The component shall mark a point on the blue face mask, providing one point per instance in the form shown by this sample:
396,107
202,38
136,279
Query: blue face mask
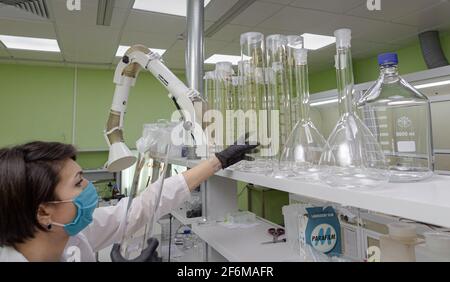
86,202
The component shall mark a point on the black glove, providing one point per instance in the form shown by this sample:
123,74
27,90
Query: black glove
236,153
149,254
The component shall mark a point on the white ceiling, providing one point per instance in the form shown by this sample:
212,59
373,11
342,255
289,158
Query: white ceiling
83,42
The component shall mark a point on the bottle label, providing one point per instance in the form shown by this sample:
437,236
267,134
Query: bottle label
406,146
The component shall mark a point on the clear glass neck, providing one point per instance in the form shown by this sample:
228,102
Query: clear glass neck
345,81
389,73
301,77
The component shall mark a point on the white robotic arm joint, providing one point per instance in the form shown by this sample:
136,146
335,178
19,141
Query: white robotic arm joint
136,58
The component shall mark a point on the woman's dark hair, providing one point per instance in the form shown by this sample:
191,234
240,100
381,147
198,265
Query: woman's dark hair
29,174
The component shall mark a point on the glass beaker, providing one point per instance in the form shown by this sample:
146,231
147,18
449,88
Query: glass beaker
255,107
400,118
301,154
277,63
353,157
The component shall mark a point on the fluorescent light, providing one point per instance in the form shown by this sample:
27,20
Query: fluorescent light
316,41
432,84
331,101
223,58
122,49
171,7
30,43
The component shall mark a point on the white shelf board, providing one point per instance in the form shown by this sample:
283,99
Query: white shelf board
425,201
184,162
184,220
244,244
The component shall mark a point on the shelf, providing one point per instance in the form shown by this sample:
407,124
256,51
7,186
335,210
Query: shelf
184,162
244,244
426,201
184,220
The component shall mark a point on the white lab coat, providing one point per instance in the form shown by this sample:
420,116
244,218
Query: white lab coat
108,224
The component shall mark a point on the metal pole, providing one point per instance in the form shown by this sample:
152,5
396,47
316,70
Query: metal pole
195,44
194,66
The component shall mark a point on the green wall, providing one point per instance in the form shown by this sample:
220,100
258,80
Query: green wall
38,104
148,102
265,203
92,160
410,60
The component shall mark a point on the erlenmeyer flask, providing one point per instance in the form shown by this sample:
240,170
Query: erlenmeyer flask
353,158
301,154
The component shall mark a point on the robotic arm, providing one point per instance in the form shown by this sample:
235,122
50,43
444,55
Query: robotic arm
136,58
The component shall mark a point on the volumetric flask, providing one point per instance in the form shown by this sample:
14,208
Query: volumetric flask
301,154
353,157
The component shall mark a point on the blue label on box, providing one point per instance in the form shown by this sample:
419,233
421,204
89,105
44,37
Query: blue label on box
323,231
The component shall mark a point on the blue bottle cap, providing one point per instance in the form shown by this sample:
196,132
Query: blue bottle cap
387,59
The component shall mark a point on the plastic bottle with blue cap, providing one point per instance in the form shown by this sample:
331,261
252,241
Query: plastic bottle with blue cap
399,116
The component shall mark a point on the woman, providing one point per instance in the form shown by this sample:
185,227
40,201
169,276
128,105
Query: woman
47,208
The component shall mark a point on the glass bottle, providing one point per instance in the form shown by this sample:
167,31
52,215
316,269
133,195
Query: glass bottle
353,157
256,106
400,118
302,151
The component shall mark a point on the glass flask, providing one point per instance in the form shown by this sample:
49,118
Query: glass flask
353,157
243,70
210,94
224,72
400,118
209,80
301,154
235,99
255,106
234,106
295,42
240,102
277,63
